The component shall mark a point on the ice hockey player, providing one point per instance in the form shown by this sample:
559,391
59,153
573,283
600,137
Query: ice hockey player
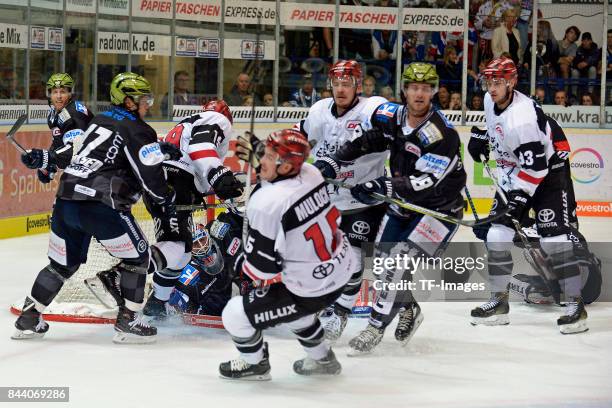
426,170
120,158
205,284
68,119
293,231
532,176
329,124
203,139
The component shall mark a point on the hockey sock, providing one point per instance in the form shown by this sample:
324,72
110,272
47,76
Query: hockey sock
500,270
49,282
350,293
163,283
251,348
132,289
311,338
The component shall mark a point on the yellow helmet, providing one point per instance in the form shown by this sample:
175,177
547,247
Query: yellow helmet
132,85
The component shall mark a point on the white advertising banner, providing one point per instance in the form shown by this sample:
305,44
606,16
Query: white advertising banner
140,44
249,49
307,14
380,18
152,8
13,36
250,12
242,114
199,10
47,4
114,7
81,6
427,19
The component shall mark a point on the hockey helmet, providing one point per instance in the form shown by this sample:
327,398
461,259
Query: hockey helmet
500,68
219,106
345,69
59,80
421,72
132,85
291,146
205,252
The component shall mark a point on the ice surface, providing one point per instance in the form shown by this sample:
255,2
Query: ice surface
448,363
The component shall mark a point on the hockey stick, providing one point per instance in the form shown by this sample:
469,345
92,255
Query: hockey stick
471,203
419,209
11,133
536,257
196,207
256,79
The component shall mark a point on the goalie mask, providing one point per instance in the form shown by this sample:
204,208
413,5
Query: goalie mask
206,254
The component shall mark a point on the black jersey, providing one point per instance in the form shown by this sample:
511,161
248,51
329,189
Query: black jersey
67,126
119,158
425,161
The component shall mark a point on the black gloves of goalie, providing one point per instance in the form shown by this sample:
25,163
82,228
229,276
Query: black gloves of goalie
38,159
170,151
224,183
363,192
250,149
478,144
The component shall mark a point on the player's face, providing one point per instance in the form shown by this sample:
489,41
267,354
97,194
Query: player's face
499,89
344,91
60,98
268,165
418,97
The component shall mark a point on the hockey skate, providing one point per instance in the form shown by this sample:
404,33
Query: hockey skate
157,309
334,325
326,366
575,319
239,369
131,329
408,323
493,313
30,323
366,341
106,283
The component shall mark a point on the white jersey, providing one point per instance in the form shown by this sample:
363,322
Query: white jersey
293,230
331,131
203,139
521,142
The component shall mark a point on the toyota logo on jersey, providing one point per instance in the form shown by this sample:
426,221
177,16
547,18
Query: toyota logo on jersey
546,215
323,271
361,227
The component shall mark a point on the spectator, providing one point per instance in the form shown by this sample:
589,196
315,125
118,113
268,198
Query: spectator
182,96
506,38
304,97
540,95
476,104
524,21
455,101
547,52
268,100
383,44
326,93
567,51
368,86
247,101
450,70
387,93
240,90
585,63
561,98
586,99
486,21
442,98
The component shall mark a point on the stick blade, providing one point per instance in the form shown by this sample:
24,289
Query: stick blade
20,121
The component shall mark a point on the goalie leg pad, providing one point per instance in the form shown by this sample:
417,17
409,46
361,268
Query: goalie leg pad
49,282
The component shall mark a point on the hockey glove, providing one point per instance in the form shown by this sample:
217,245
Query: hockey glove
517,204
478,144
363,192
170,151
373,140
169,226
250,149
45,176
328,167
38,159
224,183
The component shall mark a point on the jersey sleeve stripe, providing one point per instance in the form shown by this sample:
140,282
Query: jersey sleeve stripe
562,146
200,154
528,178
